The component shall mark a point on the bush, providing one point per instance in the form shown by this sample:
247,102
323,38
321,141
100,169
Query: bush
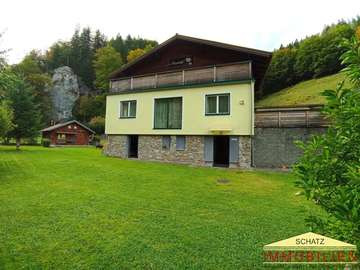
45,142
329,170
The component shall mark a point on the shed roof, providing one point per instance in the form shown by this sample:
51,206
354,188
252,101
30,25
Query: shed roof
54,127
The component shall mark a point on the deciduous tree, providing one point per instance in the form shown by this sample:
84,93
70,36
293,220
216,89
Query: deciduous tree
6,117
32,69
106,61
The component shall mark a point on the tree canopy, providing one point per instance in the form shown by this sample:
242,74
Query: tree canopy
106,61
26,116
313,57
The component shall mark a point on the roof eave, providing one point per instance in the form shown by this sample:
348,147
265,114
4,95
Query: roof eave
257,52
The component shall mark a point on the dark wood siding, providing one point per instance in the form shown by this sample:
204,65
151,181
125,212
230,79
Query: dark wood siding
201,55
76,135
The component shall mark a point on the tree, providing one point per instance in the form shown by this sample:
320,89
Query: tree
88,107
123,46
32,69
99,41
329,171
58,55
106,61
6,117
2,55
97,124
281,72
26,114
135,53
312,57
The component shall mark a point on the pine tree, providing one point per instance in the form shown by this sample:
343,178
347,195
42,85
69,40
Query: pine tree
99,40
25,112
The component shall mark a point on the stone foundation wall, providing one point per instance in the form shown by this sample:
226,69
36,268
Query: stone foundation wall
150,148
244,152
116,146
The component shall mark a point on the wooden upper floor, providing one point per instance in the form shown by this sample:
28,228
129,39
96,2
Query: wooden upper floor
183,60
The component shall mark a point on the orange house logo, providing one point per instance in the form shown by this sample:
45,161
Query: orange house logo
310,248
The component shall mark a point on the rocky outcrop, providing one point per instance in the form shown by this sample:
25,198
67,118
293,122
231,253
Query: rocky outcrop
65,92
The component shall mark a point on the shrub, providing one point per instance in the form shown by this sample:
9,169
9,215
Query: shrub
45,142
329,171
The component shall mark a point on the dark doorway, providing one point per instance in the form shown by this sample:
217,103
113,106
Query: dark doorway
221,151
133,146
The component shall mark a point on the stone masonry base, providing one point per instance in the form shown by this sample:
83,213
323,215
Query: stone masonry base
150,148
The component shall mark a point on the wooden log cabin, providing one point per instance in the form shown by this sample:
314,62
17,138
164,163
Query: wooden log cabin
68,133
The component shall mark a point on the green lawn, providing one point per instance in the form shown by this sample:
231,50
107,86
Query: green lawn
73,208
308,92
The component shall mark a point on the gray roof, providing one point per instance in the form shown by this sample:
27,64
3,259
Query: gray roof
65,124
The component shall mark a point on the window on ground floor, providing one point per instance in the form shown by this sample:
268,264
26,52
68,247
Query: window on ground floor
166,142
180,143
168,113
218,104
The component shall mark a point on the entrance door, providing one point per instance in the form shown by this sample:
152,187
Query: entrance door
133,146
221,151
70,138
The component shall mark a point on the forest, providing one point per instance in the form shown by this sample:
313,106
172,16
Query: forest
93,57
312,57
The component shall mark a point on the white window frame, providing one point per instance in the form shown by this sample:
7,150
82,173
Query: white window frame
217,103
128,109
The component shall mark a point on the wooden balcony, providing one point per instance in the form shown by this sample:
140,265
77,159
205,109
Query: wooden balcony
210,74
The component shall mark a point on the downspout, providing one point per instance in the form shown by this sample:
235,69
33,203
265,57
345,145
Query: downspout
252,115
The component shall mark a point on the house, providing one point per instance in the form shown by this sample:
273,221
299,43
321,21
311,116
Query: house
188,100
68,133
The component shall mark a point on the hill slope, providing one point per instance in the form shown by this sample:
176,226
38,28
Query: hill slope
304,93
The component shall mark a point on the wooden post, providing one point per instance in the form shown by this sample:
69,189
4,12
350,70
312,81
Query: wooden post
307,118
131,83
214,75
279,121
183,77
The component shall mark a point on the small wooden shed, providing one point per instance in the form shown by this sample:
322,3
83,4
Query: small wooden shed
68,133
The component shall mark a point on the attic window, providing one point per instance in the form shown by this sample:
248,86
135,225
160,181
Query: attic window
188,60
69,127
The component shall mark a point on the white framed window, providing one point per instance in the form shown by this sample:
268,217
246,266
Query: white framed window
217,104
128,109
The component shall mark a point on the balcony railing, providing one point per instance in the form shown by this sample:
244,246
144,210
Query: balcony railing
209,74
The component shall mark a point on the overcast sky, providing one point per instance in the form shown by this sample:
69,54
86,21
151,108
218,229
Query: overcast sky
265,24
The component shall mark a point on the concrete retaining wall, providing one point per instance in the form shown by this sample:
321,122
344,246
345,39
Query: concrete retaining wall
275,148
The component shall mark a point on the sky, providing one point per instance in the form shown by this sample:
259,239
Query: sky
260,24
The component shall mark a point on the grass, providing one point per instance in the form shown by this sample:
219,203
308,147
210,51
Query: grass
72,208
304,93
